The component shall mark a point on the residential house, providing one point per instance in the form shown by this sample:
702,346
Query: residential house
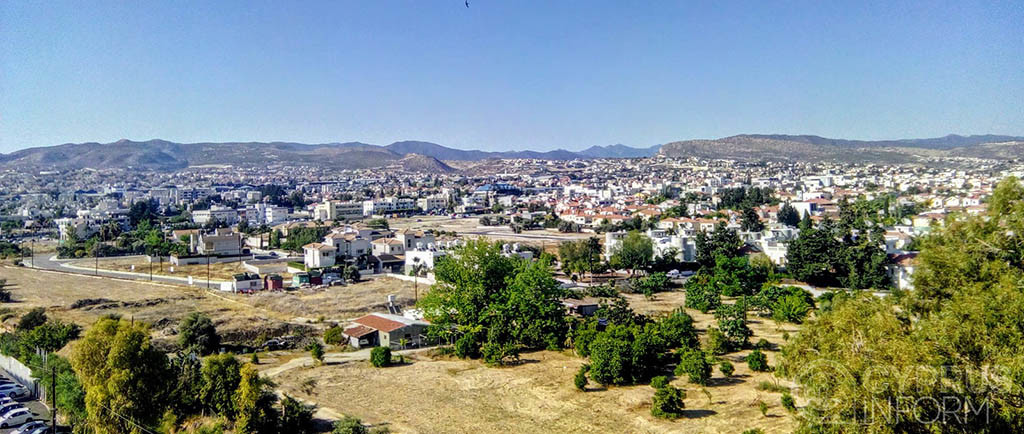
317,255
386,330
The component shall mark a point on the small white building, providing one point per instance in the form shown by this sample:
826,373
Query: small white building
319,255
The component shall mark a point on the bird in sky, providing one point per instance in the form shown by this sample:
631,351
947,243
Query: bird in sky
467,3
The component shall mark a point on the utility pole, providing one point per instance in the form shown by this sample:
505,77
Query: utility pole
53,399
32,253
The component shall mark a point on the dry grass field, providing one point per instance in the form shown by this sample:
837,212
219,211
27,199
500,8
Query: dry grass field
336,303
83,299
446,395
221,271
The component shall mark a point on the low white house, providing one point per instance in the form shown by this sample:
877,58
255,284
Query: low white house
319,255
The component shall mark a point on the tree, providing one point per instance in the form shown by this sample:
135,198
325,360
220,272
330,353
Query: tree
334,336
668,403
694,364
751,221
721,242
351,273
380,357
717,343
635,252
791,308
125,378
788,215
34,318
316,350
678,330
725,368
732,320
757,361
813,257
610,360
296,417
651,284
221,374
254,402
198,334
507,301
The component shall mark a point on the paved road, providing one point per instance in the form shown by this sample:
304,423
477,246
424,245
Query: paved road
49,262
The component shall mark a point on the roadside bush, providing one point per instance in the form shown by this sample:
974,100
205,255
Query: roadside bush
668,403
334,336
694,364
380,357
757,361
726,368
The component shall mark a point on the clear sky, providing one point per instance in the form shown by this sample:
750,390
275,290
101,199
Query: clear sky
504,75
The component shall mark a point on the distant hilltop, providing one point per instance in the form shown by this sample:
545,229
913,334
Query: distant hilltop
429,157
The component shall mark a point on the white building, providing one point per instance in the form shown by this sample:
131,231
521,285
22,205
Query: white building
432,203
388,205
216,213
319,255
336,210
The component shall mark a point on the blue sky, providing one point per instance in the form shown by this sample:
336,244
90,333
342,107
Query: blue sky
504,75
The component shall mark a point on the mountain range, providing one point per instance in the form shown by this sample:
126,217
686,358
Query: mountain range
428,157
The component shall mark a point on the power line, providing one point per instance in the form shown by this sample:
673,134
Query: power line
127,419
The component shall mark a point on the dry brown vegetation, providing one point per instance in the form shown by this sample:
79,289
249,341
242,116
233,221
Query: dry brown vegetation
445,395
239,318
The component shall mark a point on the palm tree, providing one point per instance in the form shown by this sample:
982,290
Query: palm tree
417,268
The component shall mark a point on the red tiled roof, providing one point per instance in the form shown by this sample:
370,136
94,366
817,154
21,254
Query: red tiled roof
379,323
358,331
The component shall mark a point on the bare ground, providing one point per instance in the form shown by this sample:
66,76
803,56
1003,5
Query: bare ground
445,395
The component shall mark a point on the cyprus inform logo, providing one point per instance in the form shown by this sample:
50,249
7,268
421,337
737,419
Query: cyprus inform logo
887,395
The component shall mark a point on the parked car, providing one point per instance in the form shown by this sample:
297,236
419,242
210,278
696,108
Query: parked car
13,391
16,417
10,406
31,427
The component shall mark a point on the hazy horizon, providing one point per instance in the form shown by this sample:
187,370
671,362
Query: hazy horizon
506,76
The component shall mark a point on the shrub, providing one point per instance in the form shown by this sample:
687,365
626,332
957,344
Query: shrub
761,405
732,320
34,318
197,333
788,403
317,351
763,344
694,364
678,330
757,361
768,386
496,354
668,403
791,308
726,368
467,346
349,425
380,357
754,431
334,336
659,382
255,359
717,343
581,378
